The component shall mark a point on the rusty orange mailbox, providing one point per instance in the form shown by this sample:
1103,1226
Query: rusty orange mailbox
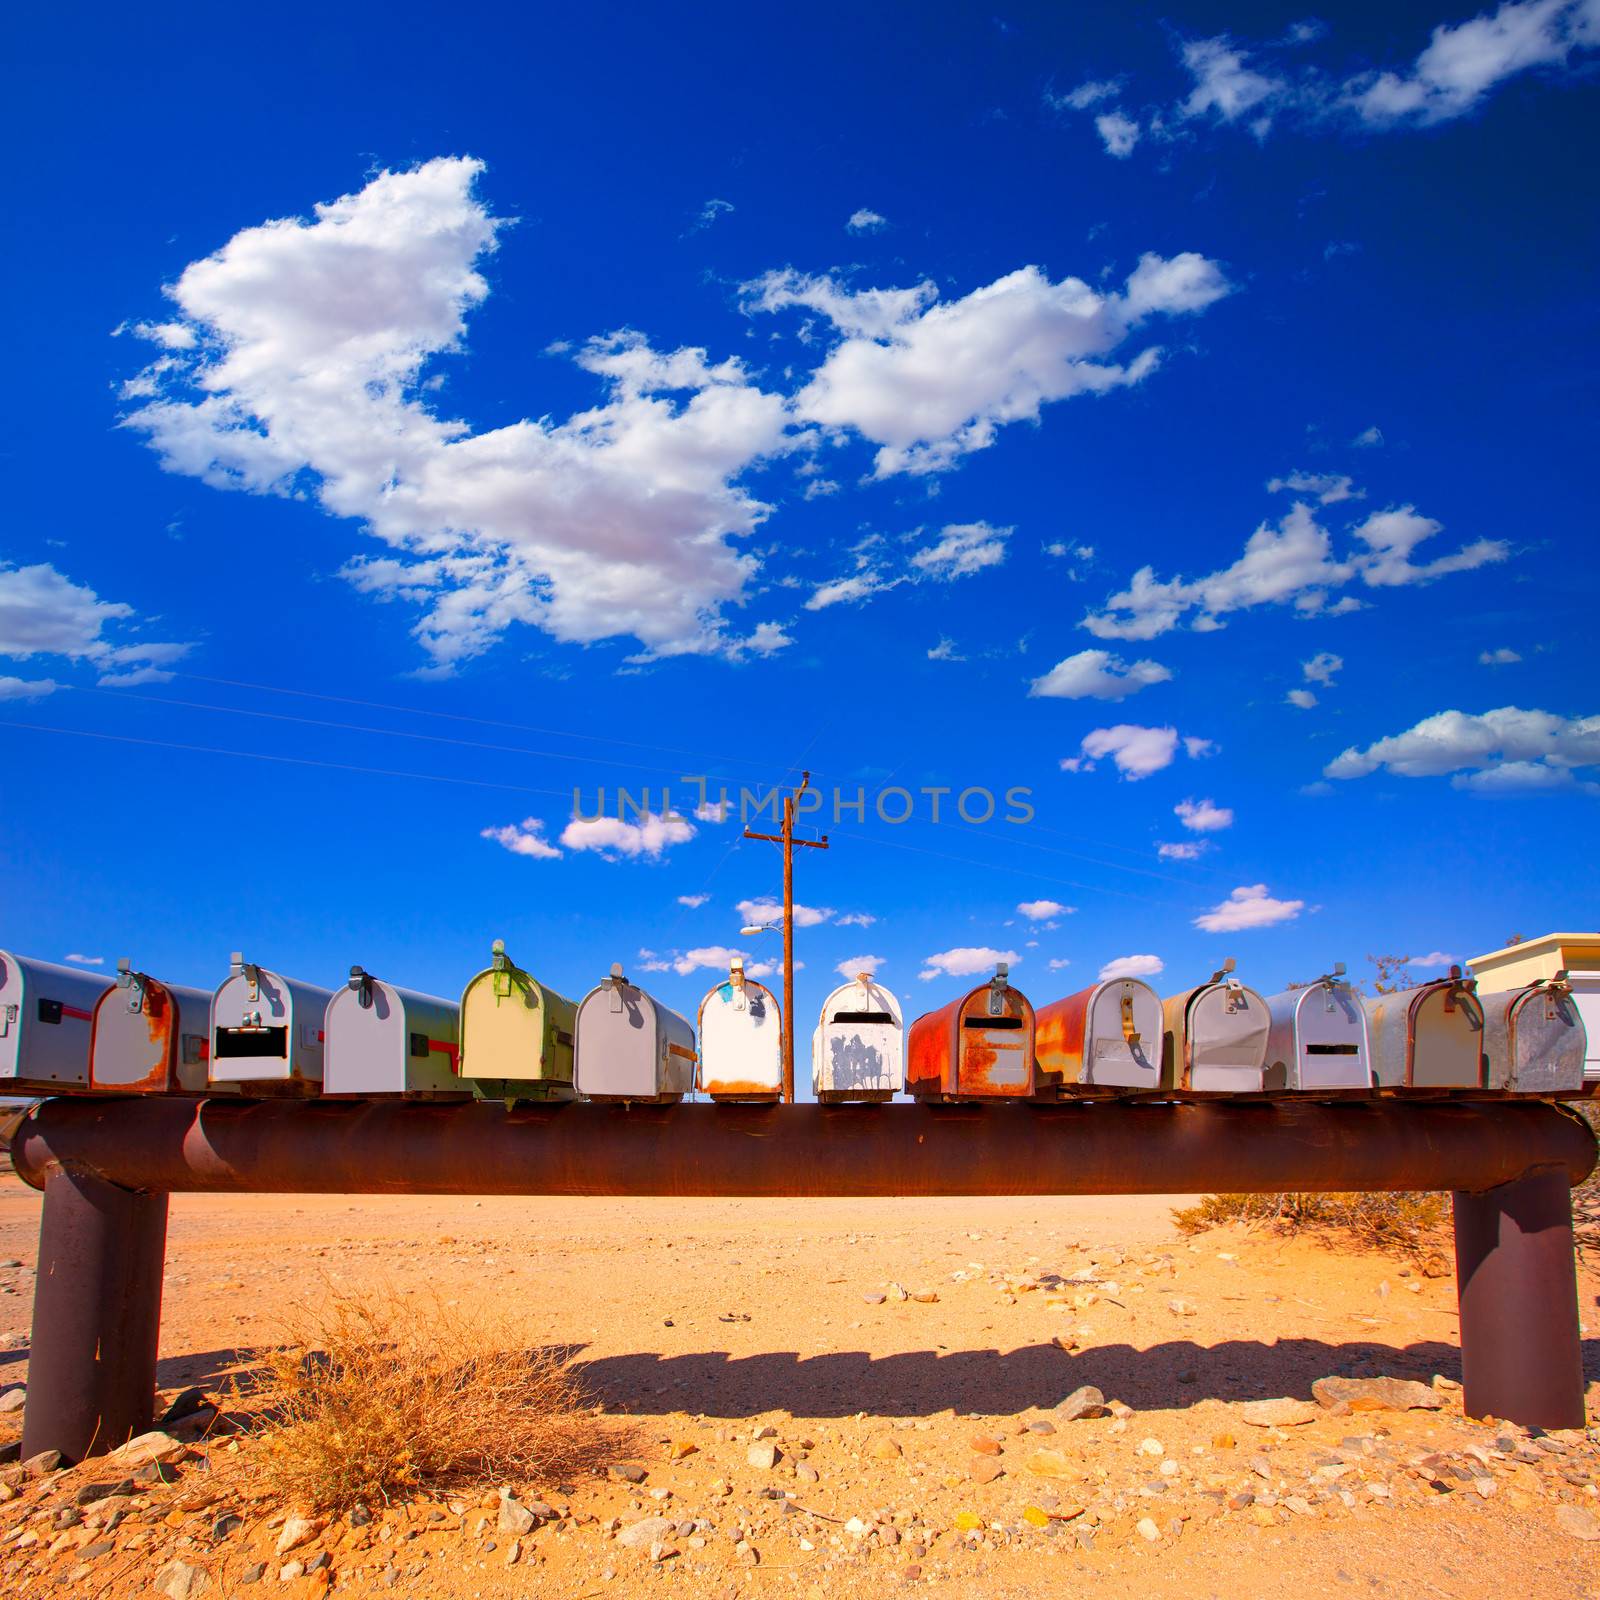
150,1037
979,1047
1103,1039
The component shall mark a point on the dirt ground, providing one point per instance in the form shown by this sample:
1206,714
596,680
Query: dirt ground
917,1440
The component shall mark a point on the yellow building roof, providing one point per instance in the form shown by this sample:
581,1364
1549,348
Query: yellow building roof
1545,941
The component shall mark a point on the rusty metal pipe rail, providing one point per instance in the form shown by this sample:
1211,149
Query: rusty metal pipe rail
107,1166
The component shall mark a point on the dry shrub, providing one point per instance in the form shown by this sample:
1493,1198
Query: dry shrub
373,1396
1402,1223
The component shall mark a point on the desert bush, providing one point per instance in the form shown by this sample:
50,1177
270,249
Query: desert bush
371,1396
1402,1223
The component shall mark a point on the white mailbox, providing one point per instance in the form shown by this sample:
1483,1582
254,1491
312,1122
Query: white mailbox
858,1050
45,1016
382,1039
1428,1038
266,1030
150,1037
1318,1040
741,1039
629,1046
1103,1038
1535,1039
1216,1037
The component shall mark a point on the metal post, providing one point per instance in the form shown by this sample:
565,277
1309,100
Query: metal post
96,1316
1517,1282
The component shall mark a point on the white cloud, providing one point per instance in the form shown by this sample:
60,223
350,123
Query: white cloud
1328,487
693,901
709,213
1119,133
1302,698
1044,910
1507,750
1189,850
1136,751
525,838
1085,95
1249,906
767,910
1322,667
928,383
26,688
1290,564
965,960
1368,439
613,838
865,221
1056,963
44,613
962,549
856,919
1132,967
859,585
1097,675
1503,657
1224,85
945,650
717,957
86,961
1434,958
1197,749
1203,816
851,965
712,811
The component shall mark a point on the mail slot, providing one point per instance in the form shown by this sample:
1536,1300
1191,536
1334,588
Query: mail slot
150,1037
45,1016
1535,1039
1102,1039
979,1047
1427,1039
741,1039
858,1048
266,1030
1317,1043
382,1039
630,1046
516,1034
1215,1038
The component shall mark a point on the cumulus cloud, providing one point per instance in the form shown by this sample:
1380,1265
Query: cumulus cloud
1097,675
1188,850
1328,487
26,688
767,910
856,919
1434,958
615,839
1303,698
86,961
1056,963
1291,563
1132,967
1136,751
44,613
1203,816
525,838
1249,906
945,650
964,961
1119,133
1504,751
1044,910
715,957
693,901
1503,657
1321,668
865,221
1368,438
851,965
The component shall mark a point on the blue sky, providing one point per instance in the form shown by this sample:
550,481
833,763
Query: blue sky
1176,413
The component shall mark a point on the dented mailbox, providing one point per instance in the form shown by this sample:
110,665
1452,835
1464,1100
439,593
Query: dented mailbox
977,1047
741,1039
381,1039
45,1016
858,1049
1215,1038
1535,1039
1428,1038
629,1046
1102,1039
516,1034
266,1030
1318,1040
150,1037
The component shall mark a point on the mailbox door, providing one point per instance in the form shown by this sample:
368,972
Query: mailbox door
995,1050
151,1038
858,1049
502,1027
1330,1040
46,1014
385,1040
741,1048
267,1030
1122,1041
618,1046
1446,1039
1226,1040
1536,1042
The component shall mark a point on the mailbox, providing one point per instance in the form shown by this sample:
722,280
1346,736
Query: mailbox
979,1047
1317,1043
516,1034
150,1037
629,1046
1215,1037
1102,1039
1535,1039
741,1039
858,1049
45,1016
381,1039
266,1030
1427,1039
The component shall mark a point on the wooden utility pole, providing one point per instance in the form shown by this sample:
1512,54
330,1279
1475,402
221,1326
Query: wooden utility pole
788,841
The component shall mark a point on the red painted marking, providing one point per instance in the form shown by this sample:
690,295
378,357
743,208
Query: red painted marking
73,1011
453,1051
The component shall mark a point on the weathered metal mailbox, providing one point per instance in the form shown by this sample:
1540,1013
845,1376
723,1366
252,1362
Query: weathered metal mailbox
1215,1038
977,1047
150,1037
1427,1039
1535,1039
516,1034
741,1039
629,1046
266,1030
858,1049
1103,1039
1318,1040
382,1039
45,1016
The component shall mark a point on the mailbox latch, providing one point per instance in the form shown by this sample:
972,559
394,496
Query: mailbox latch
998,985
615,984
8,1015
1129,1033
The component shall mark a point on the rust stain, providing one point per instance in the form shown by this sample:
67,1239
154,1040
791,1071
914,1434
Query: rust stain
1058,1037
738,1089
